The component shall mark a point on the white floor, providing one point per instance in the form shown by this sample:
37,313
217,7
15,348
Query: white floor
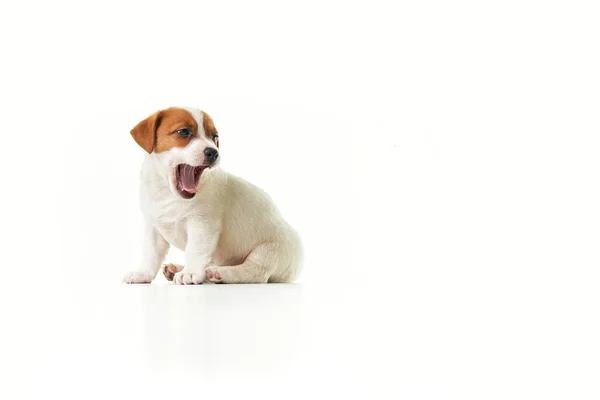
419,341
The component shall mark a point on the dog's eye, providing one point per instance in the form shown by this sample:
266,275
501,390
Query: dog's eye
215,138
183,132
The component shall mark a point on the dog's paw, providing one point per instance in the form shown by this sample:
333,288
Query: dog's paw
188,278
213,274
169,270
138,277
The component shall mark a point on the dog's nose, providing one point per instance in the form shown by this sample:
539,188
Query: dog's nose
211,155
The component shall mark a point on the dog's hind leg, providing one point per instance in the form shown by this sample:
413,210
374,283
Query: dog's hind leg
243,273
268,262
169,270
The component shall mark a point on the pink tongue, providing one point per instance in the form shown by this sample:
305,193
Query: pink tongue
188,179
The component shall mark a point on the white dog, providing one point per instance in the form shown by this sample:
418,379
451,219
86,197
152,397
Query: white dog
230,230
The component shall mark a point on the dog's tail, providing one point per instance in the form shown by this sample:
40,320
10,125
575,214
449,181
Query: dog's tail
169,270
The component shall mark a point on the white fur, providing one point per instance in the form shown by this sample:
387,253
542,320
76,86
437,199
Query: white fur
230,228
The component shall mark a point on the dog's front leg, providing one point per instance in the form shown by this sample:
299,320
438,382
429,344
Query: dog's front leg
155,249
201,243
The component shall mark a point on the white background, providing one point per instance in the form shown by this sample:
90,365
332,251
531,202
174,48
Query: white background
440,160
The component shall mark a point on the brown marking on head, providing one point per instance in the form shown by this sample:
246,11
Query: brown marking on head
172,120
157,133
209,128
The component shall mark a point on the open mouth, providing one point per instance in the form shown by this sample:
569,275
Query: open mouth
187,178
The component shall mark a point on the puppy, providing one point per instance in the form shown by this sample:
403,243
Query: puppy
229,229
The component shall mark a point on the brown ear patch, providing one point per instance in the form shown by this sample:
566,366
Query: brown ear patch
209,127
144,133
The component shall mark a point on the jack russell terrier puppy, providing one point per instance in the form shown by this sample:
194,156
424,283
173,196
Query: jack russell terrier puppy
230,230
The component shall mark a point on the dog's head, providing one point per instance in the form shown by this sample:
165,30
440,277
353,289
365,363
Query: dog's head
185,143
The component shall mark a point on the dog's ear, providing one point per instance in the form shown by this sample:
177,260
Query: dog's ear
144,133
